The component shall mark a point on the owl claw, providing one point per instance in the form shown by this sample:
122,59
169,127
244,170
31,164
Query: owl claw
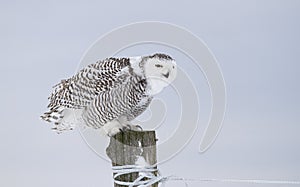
138,128
127,127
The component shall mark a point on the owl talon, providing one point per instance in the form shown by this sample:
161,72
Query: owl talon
128,127
139,128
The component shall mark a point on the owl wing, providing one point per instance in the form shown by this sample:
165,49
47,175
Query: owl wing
78,91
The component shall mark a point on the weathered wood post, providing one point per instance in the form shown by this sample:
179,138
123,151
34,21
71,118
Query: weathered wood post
126,148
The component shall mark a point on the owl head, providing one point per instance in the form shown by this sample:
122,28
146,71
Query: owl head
160,70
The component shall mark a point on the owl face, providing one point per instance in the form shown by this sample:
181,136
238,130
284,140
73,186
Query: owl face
160,71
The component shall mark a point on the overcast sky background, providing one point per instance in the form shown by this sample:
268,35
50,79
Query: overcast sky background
255,42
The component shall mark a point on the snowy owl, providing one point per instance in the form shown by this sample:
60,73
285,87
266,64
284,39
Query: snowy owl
110,93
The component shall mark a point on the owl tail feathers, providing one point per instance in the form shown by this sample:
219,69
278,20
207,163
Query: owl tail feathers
63,119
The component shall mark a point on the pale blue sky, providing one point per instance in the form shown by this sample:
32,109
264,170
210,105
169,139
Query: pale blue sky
255,42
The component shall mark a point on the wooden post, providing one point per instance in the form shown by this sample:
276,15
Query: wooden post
125,148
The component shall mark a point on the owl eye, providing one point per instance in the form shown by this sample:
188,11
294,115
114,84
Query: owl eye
158,65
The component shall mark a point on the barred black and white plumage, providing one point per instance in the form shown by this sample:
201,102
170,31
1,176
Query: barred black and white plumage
109,93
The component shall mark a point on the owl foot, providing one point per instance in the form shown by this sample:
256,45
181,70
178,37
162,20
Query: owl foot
132,127
114,131
112,128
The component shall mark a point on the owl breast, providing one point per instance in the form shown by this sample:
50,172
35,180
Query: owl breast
139,108
127,100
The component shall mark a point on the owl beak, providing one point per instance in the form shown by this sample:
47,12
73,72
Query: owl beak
166,75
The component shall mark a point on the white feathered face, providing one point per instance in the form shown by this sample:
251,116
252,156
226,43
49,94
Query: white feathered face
160,71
